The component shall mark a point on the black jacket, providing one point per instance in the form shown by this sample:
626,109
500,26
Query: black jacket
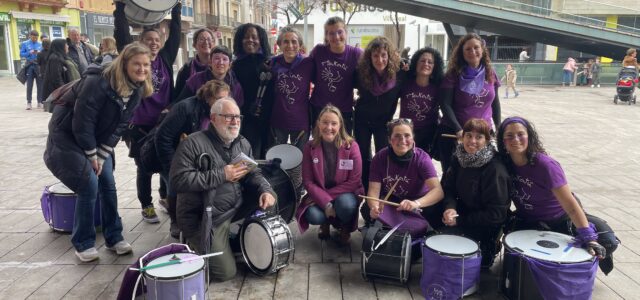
376,111
54,74
247,70
185,118
92,116
479,195
200,182
169,50
75,56
183,75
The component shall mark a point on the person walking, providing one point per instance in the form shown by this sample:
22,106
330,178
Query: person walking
29,50
523,55
510,75
596,68
567,71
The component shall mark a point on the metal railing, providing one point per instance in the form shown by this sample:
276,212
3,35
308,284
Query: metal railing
551,73
546,12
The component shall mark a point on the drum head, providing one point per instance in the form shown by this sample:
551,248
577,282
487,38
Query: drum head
256,245
290,155
453,245
61,189
545,245
153,6
175,271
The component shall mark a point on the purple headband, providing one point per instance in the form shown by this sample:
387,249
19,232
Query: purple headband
511,120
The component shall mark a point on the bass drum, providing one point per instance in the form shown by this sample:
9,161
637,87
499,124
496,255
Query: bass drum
282,185
145,12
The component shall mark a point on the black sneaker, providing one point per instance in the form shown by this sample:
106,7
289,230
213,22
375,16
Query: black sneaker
149,215
174,231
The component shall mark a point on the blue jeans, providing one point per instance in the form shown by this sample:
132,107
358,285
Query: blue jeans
32,73
346,206
101,187
567,76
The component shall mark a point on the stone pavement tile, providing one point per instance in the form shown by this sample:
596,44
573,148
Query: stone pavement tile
54,250
30,281
414,281
385,290
130,218
602,291
43,227
621,284
624,255
292,282
29,248
95,282
333,252
257,287
229,289
623,215
632,270
9,273
147,227
13,240
69,257
21,221
615,223
353,287
144,243
324,282
59,284
308,248
112,289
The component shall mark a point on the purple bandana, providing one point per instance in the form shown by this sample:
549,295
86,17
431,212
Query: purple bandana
380,88
472,80
511,120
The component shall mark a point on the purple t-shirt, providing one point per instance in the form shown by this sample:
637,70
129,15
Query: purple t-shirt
420,104
199,79
334,76
532,196
467,106
291,94
412,177
148,111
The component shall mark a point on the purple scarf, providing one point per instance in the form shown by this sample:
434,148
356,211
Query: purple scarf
280,65
472,80
380,88
196,66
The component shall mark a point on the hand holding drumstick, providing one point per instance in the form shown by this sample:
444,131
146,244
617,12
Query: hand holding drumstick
449,217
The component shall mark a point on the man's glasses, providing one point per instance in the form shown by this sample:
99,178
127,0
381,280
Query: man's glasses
230,118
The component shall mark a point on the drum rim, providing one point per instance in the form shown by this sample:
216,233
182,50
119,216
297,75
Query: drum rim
175,2
261,221
287,146
510,249
404,272
441,253
174,278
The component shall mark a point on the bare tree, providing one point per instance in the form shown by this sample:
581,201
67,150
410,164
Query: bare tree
304,7
393,16
347,8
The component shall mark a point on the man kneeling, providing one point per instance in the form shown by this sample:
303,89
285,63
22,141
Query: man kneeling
209,187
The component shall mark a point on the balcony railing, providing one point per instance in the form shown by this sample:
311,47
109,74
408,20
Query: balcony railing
213,20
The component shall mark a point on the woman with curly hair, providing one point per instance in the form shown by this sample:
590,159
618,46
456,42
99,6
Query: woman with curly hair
419,95
378,91
469,90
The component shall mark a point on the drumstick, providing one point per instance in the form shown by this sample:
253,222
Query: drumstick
177,261
453,136
391,190
379,200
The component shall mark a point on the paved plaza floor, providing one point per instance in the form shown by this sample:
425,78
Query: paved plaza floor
597,143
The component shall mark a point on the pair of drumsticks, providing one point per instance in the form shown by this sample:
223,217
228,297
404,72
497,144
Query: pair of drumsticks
386,198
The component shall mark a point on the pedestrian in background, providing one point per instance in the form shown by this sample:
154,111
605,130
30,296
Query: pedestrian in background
567,71
108,51
29,50
523,55
510,75
596,68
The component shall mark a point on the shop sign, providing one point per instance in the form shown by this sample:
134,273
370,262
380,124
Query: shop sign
4,17
102,20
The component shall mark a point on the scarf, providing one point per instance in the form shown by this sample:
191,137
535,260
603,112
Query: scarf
476,160
403,160
379,88
472,80
196,66
280,65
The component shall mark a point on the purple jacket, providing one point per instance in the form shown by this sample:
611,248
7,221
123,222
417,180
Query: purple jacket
347,181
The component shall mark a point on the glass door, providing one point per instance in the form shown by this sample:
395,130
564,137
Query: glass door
4,48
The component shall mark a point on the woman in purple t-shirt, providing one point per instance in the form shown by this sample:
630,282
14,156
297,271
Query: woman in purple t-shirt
418,185
419,95
541,194
291,73
469,90
335,71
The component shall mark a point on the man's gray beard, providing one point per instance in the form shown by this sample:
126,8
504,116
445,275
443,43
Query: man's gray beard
225,135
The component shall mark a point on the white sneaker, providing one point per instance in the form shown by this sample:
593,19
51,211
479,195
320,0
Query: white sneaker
121,247
598,85
88,255
592,86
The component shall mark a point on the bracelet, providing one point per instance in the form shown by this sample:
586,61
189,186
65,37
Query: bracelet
417,202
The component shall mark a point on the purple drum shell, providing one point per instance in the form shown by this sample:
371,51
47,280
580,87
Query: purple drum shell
59,210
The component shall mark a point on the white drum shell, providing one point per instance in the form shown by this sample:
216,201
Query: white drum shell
546,245
145,12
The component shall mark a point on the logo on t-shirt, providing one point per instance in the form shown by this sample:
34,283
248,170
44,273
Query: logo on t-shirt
157,79
478,99
418,106
401,189
331,73
287,85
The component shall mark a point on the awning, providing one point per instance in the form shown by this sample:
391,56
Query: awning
37,16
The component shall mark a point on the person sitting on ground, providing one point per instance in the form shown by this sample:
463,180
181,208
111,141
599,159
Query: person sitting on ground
202,175
542,196
476,191
331,167
184,118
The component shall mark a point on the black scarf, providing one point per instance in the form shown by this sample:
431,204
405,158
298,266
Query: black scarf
402,160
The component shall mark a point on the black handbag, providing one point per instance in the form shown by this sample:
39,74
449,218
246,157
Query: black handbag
22,74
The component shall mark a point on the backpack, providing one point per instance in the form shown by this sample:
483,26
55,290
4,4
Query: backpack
148,155
58,95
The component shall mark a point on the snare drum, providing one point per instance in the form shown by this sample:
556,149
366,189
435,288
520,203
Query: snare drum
266,243
450,267
291,158
532,257
145,12
386,259
180,281
58,204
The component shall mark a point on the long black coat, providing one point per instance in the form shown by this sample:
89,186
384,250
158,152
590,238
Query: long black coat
92,116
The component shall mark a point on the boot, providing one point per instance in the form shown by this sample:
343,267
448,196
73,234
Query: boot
324,232
345,236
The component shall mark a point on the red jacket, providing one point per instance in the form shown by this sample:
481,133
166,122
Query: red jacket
347,181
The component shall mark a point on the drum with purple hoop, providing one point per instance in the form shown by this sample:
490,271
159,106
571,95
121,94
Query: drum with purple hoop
531,256
58,204
178,281
450,267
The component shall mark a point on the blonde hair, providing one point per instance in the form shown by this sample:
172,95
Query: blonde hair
117,75
341,138
109,44
211,88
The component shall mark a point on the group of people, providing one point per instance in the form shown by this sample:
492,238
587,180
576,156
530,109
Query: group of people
226,103
588,75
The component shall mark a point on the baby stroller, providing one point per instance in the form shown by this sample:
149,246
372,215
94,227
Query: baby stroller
626,85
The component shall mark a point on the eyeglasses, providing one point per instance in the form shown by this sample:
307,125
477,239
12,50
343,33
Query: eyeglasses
205,40
230,118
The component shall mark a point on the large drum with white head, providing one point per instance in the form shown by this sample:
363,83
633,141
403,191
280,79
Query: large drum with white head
147,12
185,280
532,257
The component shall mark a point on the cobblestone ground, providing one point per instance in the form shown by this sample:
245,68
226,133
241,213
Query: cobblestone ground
595,141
